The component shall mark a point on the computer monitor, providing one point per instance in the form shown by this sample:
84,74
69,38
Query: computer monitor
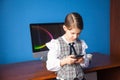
41,33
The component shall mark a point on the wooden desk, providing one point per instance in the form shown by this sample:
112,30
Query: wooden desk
106,68
36,70
101,62
25,71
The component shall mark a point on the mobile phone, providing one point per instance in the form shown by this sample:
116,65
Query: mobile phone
79,56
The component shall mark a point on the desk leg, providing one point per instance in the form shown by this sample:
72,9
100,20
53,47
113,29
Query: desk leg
109,74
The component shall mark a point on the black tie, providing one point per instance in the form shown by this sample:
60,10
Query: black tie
72,48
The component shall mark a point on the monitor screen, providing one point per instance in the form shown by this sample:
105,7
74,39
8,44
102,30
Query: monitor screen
42,33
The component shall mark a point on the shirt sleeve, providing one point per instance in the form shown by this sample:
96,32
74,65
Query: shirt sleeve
53,63
86,60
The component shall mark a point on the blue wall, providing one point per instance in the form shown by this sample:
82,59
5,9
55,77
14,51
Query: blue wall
16,15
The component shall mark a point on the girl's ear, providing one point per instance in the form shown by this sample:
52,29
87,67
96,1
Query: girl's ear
64,28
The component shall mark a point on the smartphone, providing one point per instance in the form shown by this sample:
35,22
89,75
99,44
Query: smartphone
78,56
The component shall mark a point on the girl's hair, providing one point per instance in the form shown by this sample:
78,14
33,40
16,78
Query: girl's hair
74,20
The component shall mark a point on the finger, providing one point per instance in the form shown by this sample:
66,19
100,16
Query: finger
72,55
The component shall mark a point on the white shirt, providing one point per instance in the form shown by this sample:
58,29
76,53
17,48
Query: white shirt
53,63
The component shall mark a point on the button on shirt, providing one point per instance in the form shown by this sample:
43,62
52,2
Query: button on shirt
53,63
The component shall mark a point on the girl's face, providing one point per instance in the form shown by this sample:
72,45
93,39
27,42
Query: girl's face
71,34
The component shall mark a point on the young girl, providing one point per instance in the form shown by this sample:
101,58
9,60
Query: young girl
61,57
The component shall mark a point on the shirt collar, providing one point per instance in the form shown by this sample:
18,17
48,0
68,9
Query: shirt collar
66,40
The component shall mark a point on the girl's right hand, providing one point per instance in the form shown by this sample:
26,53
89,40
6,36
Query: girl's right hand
68,60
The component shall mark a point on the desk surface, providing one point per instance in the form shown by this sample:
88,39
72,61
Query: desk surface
36,70
102,61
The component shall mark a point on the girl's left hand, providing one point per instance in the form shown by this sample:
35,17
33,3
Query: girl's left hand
80,60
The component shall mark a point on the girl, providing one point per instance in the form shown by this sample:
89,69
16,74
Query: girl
62,52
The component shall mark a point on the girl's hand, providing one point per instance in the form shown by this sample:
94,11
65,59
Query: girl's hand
68,60
80,60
